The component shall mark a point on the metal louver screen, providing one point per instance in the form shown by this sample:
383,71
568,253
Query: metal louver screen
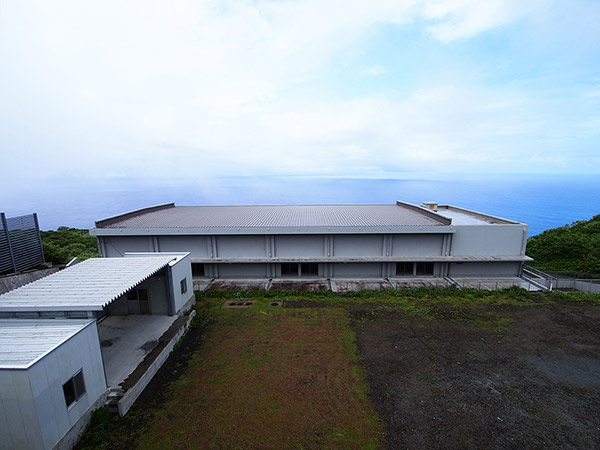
20,243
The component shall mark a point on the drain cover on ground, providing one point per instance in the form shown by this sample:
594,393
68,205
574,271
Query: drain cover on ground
238,303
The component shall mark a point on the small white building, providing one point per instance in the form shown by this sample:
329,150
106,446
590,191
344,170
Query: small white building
54,367
51,376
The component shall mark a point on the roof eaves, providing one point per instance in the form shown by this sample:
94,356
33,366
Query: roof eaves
137,212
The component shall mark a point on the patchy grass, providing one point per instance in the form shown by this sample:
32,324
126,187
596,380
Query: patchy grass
271,378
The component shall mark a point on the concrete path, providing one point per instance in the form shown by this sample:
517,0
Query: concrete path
126,340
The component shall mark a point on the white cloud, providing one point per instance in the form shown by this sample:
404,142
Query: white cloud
199,88
374,71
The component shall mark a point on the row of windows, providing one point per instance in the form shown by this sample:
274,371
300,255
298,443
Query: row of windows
312,269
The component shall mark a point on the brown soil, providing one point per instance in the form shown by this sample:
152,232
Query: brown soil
445,384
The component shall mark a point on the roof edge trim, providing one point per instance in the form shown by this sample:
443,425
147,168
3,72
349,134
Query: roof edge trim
443,220
136,212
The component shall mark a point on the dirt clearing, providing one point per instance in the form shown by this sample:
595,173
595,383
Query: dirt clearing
491,377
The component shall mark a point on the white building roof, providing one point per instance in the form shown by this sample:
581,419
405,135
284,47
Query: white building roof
23,342
87,286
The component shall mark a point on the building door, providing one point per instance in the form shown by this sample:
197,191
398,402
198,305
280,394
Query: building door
137,301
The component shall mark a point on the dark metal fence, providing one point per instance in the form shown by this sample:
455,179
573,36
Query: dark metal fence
20,243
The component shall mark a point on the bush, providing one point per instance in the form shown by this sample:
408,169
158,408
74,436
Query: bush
64,244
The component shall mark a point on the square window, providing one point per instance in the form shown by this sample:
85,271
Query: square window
309,269
183,285
289,269
404,268
197,270
74,388
425,268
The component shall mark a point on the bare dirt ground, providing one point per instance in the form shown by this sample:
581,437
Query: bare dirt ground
454,383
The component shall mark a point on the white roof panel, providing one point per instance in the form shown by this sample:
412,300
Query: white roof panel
24,341
87,286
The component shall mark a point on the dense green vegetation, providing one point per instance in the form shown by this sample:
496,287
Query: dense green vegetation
65,243
572,248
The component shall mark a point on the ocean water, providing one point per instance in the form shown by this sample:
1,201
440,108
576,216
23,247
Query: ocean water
541,201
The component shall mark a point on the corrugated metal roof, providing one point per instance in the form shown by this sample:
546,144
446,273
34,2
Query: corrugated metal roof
24,341
87,286
276,216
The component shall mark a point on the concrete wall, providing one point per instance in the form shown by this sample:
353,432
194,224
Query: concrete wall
115,246
242,246
357,245
198,246
487,269
341,270
157,296
299,246
489,240
417,244
34,414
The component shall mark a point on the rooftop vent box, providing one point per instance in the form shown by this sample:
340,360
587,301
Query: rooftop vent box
433,206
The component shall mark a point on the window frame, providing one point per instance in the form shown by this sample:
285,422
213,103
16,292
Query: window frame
74,388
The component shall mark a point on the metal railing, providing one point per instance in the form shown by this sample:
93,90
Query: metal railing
20,243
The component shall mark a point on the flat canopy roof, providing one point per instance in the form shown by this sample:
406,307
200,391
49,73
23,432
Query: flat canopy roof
274,217
87,286
24,342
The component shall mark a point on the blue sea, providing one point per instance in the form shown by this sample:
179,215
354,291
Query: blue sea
541,201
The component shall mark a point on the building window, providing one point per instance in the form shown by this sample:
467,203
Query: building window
74,388
289,269
404,268
425,268
183,285
309,269
138,301
197,270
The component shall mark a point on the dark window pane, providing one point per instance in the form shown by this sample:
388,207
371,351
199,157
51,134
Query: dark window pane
289,269
132,295
404,268
183,285
197,270
425,268
309,269
143,295
69,391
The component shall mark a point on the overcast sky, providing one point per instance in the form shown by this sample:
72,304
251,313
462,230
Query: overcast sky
122,89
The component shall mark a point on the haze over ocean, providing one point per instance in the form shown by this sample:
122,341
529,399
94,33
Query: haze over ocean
541,201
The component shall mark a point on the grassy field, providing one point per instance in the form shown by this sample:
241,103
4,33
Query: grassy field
399,369
271,378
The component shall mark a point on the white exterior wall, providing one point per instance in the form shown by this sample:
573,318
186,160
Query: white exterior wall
299,246
37,393
19,425
489,240
181,269
417,244
358,245
243,246
157,295
116,246
198,246
487,269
